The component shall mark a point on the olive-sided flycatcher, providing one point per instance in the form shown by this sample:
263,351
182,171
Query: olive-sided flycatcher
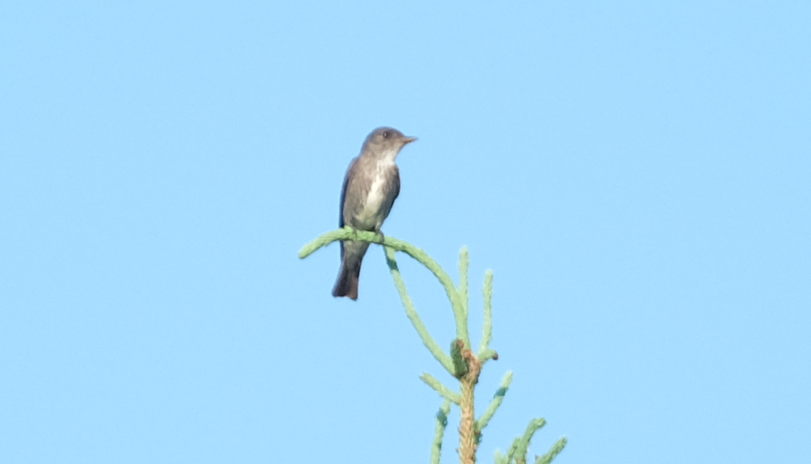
371,185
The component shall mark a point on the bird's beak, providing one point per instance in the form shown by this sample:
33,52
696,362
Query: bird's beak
408,140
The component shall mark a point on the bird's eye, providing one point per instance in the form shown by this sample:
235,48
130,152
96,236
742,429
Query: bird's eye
386,134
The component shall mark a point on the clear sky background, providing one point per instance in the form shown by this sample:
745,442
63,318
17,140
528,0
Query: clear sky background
637,175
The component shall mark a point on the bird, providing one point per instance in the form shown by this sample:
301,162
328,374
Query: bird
371,184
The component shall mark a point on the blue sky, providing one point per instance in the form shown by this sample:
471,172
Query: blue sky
637,175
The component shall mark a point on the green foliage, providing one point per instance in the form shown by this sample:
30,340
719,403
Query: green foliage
461,362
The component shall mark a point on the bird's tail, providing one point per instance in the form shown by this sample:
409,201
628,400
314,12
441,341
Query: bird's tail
349,276
347,283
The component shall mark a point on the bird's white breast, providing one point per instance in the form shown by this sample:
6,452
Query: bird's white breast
369,216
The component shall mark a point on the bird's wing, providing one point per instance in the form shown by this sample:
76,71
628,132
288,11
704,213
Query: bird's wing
352,166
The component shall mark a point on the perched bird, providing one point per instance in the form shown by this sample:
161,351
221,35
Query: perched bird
371,185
